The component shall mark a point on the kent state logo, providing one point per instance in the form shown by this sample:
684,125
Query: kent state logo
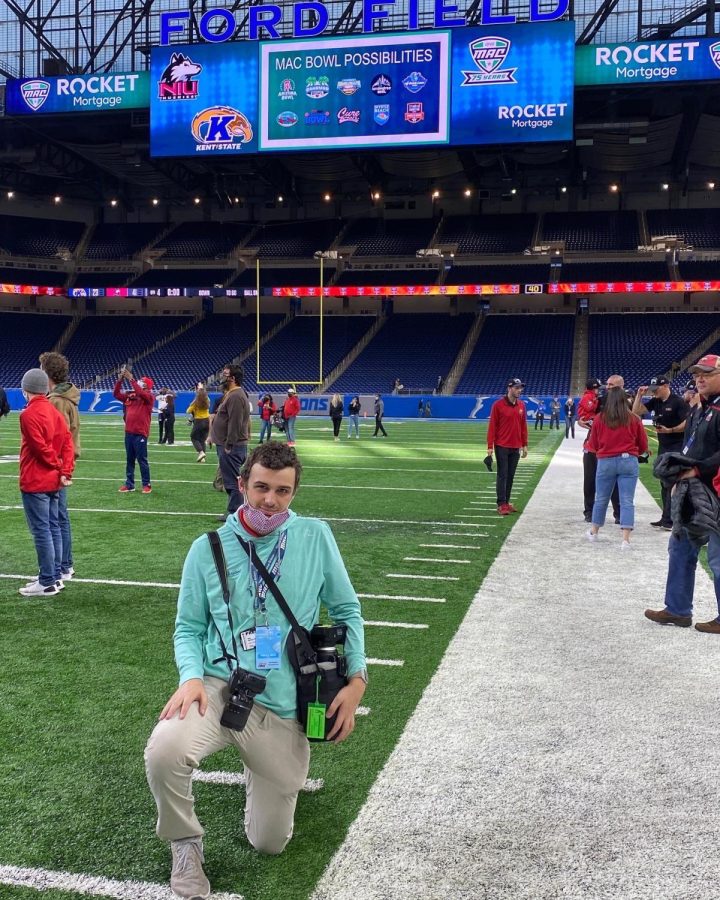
489,53
176,81
414,82
35,93
715,54
221,128
381,113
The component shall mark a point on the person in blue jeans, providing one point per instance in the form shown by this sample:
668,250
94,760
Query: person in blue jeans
701,444
617,439
354,407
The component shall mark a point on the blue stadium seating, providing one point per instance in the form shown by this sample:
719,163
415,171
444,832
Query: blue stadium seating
488,233
161,277
203,240
294,240
414,348
102,342
642,345
537,349
389,237
698,227
592,230
276,277
45,278
102,279
510,274
640,270
22,236
387,276
700,270
293,355
25,337
120,241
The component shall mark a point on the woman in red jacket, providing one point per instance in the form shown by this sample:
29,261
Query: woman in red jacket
266,410
617,438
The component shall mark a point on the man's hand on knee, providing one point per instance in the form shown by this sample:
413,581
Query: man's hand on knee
345,704
191,691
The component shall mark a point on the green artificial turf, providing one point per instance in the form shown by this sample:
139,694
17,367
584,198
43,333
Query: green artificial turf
86,672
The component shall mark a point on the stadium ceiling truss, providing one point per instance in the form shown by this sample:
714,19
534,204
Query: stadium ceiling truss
626,135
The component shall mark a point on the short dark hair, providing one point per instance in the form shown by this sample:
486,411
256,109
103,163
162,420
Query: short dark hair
236,372
55,366
273,455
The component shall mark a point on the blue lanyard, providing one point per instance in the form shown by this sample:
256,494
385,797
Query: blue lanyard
705,416
273,565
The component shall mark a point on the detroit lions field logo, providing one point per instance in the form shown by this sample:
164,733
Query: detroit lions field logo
489,53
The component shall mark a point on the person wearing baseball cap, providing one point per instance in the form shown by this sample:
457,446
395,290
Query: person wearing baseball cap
669,413
291,410
138,404
588,408
508,438
701,445
690,393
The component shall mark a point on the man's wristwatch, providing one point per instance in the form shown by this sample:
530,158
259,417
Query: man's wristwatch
361,673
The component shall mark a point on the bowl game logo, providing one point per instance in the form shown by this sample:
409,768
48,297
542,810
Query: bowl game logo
414,113
35,93
287,90
715,53
317,87
381,85
489,53
176,81
287,119
348,115
414,82
317,117
349,86
221,128
381,113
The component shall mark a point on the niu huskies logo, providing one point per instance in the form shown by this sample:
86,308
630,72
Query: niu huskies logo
221,128
489,53
176,81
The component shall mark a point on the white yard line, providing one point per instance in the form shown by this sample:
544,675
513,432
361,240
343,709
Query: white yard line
452,546
408,625
464,562
423,577
402,597
560,731
237,779
371,661
92,885
461,533
111,581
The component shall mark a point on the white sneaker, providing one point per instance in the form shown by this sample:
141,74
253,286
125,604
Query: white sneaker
67,576
59,584
626,545
591,536
188,879
35,589
201,457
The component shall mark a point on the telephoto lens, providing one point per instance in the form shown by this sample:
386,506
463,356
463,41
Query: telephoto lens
325,640
244,686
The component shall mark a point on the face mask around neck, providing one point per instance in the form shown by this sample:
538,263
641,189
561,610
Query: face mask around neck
258,522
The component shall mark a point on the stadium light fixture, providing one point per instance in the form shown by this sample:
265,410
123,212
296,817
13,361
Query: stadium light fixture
196,201
237,199
375,195
57,198
513,191
10,195
614,189
664,186
155,201
113,202
468,192
435,195
280,198
327,198
711,186
563,189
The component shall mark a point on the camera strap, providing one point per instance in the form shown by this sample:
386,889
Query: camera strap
307,661
219,557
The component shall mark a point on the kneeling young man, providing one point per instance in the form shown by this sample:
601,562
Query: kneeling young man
212,639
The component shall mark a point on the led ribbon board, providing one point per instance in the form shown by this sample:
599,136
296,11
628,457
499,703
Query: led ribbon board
649,62
77,93
468,86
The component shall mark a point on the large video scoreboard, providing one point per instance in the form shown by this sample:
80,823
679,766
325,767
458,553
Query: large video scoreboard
465,86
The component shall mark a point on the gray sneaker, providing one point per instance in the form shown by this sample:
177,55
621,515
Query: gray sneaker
188,881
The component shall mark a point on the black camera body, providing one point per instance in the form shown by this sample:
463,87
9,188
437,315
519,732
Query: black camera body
325,640
244,686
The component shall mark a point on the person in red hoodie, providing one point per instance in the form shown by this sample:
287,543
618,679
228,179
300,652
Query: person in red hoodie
138,405
617,438
47,460
508,437
291,410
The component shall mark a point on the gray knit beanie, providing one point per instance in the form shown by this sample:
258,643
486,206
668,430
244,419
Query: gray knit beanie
35,381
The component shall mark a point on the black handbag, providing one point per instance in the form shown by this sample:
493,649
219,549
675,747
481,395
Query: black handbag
318,682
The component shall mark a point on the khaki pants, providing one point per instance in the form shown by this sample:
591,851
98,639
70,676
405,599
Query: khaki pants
276,754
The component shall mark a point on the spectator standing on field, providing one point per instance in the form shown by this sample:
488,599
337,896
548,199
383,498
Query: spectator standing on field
508,439
47,460
266,410
588,408
162,407
669,413
336,414
617,439
291,410
137,404
379,413
199,411
539,415
169,437
569,417
554,414
354,408
4,404
65,397
230,432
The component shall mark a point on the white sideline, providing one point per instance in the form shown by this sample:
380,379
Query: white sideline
423,577
237,779
465,562
371,661
91,885
561,748
452,546
396,624
402,597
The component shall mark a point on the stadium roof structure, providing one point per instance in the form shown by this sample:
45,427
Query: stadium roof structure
637,136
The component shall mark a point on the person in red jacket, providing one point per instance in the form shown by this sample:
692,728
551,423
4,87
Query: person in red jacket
266,411
47,460
508,437
291,410
617,438
138,405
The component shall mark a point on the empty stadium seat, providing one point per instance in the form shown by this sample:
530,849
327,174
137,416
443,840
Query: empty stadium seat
592,230
698,227
488,233
389,237
22,236
25,337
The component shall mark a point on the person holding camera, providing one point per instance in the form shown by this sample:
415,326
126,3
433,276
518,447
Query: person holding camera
589,406
236,652
669,413
137,404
